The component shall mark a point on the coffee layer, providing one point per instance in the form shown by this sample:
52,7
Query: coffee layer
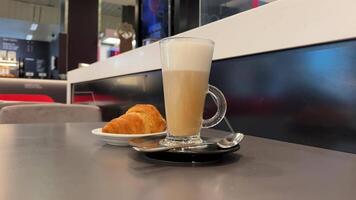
184,93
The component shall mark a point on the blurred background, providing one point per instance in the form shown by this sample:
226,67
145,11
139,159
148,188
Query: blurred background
43,39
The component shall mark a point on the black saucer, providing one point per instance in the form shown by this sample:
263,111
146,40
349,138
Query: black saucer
208,154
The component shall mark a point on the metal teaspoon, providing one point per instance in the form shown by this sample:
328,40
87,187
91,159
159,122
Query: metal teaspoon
229,141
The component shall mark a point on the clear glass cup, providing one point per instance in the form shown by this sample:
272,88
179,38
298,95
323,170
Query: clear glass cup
186,64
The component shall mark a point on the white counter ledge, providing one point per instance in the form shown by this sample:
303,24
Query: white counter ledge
33,80
279,25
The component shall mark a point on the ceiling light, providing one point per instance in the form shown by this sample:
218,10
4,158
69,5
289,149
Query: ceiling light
29,37
33,27
111,40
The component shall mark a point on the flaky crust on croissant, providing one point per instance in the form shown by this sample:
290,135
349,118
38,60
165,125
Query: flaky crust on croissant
139,119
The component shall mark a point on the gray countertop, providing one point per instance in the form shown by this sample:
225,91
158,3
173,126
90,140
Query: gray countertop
64,161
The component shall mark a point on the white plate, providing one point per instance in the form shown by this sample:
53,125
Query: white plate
121,139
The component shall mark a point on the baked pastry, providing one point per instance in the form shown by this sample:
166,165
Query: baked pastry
139,119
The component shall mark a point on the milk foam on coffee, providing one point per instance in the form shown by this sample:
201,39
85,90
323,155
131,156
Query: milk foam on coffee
185,80
187,55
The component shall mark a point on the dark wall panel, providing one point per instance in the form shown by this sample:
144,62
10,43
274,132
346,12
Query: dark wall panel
115,95
128,14
82,32
185,15
305,95
63,56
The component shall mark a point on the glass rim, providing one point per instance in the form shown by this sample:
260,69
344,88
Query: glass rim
189,38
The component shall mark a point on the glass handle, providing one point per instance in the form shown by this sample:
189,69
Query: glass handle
220,102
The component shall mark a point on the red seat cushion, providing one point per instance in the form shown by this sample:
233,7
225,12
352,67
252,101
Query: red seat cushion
26,97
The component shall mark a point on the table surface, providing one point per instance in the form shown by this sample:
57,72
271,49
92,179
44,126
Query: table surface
65,161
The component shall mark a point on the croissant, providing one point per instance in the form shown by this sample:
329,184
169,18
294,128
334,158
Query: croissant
139,119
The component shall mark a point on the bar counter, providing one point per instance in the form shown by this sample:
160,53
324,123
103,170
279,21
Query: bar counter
65,161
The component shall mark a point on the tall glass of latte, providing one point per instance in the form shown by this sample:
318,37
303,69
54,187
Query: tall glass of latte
186,66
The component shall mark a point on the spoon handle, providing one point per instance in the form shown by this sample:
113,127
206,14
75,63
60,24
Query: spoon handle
166,148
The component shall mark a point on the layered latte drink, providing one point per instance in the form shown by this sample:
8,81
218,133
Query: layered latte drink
184,94
186,68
